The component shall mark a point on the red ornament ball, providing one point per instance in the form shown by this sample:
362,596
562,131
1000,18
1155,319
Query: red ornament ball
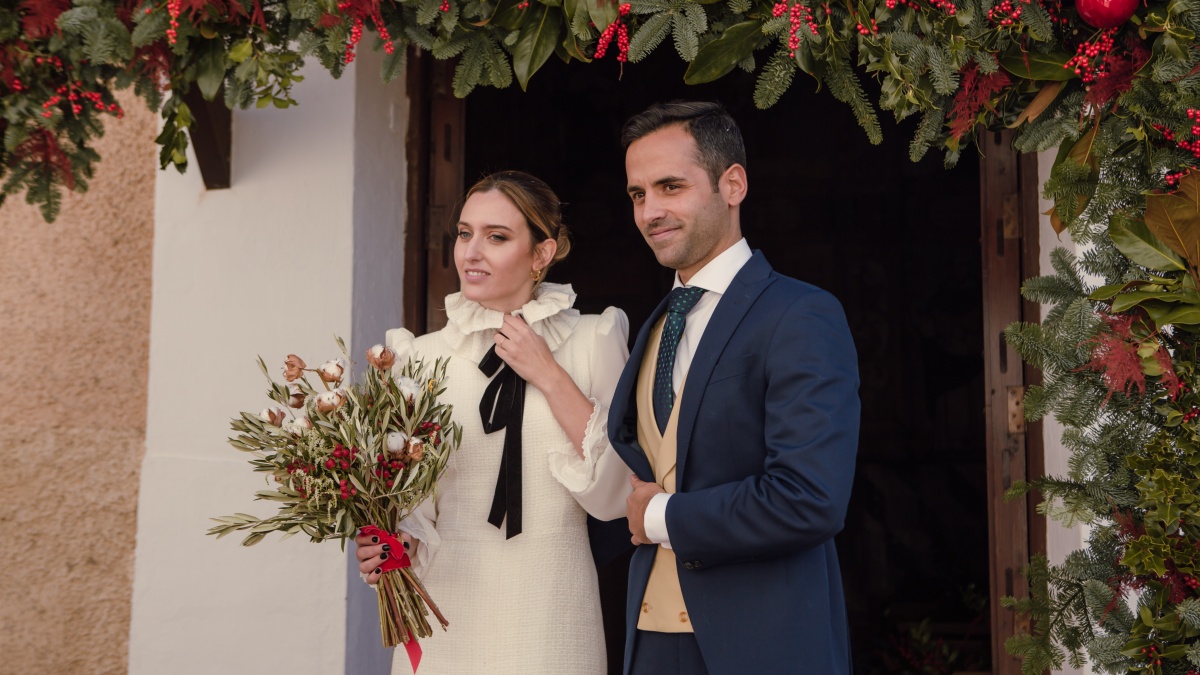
1106,13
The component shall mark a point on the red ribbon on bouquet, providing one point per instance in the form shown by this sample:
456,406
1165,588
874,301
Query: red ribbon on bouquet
397,559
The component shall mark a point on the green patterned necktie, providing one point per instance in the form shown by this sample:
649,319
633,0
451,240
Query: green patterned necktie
679,303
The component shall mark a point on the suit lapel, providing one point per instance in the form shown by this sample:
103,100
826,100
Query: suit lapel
749,283
622,414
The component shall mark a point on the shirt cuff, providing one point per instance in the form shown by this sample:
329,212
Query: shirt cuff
655,520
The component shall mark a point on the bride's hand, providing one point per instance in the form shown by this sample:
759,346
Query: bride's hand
371,554
525,352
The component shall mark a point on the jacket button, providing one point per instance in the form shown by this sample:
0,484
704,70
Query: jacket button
697,564
687,566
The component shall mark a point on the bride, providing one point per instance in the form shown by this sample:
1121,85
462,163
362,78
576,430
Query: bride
503,546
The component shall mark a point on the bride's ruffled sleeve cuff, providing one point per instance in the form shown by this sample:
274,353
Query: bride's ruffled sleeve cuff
420,526
599,480
575,473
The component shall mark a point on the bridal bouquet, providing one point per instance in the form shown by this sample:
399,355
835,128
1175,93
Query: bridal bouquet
348,457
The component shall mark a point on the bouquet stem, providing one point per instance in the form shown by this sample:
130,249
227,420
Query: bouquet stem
402,603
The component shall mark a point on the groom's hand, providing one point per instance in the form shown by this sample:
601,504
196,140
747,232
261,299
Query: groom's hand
635,506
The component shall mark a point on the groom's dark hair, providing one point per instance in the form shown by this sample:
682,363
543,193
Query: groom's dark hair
718,139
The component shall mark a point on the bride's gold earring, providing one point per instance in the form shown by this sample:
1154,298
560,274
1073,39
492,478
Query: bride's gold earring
536,275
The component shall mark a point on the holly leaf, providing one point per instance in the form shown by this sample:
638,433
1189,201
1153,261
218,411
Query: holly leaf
1135,241
1037,66
536,42
722,55
1175,217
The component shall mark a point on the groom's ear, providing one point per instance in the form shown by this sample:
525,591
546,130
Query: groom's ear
733,185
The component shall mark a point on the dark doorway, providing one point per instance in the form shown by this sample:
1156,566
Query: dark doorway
898,243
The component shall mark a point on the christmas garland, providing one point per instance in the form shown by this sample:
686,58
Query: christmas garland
1114,85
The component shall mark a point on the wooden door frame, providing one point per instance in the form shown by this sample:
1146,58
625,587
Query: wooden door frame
1009,219
1009,231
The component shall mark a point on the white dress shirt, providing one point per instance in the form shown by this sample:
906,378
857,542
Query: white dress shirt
714,278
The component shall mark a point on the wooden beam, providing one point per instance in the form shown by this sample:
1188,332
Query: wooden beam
212,137
1031,251
1003,212
446,166
416,226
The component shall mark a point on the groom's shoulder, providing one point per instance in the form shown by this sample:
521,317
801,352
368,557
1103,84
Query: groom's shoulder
800,295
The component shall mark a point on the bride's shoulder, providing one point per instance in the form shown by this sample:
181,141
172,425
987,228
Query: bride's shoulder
405,343
612,321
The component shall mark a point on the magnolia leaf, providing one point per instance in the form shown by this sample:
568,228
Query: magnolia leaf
1126,301
571,46
1044,98
1111,290
722,55
1135,241
536,42
1172,314
1035,66
1175,218
602,12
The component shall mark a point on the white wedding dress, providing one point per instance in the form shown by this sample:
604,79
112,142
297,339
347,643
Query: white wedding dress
527,605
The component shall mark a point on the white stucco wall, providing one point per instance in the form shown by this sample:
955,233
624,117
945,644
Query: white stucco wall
1059,540
263,268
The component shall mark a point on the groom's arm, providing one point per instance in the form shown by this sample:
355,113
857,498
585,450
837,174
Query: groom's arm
810,434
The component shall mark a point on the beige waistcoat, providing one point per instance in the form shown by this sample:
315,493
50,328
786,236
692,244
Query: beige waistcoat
663,610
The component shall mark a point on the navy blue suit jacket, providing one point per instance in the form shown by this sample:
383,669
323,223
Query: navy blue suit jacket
768,431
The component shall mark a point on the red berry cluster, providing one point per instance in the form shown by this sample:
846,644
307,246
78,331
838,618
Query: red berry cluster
433,431
1006,13
1055,12
1192,146
346,489
342,457
621,31
797,14
864,30
1089,53
1152,655
76,97
174,7
944,5
16,84
1194,412
387,468
356,32
296,466
445,6
524,4
1191,581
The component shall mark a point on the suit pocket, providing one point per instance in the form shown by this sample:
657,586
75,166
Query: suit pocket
728,368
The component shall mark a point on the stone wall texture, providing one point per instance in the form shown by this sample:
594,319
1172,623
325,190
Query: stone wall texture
74,347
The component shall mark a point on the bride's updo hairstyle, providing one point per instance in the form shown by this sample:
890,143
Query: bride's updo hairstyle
536,201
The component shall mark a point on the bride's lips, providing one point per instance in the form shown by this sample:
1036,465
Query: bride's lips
473,275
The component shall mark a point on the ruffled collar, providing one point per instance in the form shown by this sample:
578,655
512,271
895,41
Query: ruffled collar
470,326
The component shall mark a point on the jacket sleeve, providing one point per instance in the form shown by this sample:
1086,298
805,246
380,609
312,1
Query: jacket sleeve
810,438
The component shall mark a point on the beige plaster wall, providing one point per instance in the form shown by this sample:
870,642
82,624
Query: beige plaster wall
74,349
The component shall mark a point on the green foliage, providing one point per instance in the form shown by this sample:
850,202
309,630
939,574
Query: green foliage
961,72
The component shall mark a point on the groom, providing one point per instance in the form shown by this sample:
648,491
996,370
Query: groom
738,412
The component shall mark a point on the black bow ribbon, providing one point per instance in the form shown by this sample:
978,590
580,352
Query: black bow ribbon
503,407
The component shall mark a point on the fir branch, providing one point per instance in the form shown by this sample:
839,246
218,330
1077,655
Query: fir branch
845,87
